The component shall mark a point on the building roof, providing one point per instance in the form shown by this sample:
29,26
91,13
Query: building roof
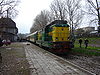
7,22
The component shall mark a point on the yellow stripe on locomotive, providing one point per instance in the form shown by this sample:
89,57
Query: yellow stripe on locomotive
61,29
39,35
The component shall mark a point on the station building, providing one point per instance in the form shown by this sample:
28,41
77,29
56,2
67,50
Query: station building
8,29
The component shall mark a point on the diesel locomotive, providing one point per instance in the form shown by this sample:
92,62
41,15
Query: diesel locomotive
55,37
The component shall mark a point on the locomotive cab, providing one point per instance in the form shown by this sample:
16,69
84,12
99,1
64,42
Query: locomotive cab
60,37
60,33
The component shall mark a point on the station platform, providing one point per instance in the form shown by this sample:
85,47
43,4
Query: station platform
43,62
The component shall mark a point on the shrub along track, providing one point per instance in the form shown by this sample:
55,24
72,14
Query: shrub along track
13,60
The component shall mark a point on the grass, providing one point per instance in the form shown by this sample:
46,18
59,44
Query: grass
91,50
94,40
88,51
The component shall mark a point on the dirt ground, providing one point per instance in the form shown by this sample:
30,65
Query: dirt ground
14,60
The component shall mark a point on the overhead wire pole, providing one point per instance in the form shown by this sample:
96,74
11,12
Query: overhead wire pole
98,8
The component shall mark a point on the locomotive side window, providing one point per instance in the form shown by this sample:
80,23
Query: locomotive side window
62,29
68,38
56,38
53,28
62,39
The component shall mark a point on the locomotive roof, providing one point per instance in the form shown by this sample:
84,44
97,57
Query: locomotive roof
31,34
60,25
58,22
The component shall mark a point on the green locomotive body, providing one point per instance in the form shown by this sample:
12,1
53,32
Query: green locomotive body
54,36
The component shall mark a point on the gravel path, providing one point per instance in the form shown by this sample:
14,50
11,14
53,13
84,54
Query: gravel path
89,63
14,60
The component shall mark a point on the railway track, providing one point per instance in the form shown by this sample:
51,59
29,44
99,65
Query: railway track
45,63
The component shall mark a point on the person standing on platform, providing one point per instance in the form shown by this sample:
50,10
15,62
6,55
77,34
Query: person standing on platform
1,44
80,42
86,41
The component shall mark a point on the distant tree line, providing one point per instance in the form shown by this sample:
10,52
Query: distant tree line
71,10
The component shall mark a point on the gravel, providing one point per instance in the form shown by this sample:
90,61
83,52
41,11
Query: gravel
14,60
90,63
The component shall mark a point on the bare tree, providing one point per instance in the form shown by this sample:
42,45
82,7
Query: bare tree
8,8
41,21
61,10
74,13
58,9
94,11
69,10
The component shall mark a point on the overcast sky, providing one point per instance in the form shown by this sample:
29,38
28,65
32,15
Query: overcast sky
28,10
